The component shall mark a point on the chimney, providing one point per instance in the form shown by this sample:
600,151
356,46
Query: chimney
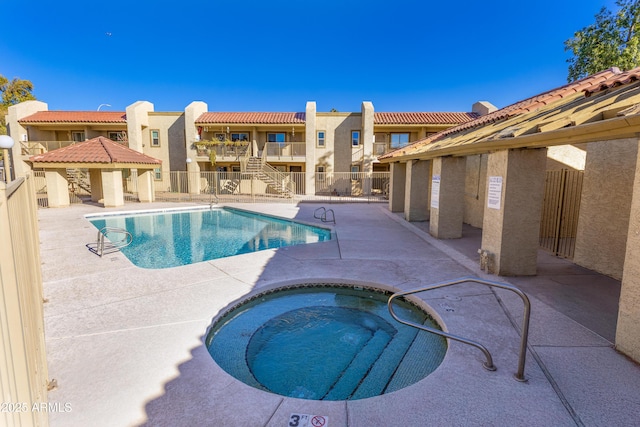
483,108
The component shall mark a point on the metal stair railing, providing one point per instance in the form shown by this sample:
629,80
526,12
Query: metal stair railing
102,246
488,364
322,214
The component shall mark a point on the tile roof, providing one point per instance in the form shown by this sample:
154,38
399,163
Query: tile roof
422,118
76,117
527,105
617,80
98,150
251,118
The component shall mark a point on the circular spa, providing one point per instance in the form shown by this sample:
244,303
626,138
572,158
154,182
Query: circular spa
324,342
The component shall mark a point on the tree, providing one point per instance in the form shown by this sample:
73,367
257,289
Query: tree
612,41
12,92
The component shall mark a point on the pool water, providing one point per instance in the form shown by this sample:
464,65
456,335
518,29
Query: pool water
173,238
325,342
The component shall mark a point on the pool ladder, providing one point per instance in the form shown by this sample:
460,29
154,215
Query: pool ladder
323,214
488,364
122,238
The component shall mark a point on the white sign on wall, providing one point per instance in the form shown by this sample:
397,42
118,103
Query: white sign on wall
494,195
435,191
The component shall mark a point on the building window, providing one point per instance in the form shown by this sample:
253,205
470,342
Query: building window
157,174
77,136
355,170
240,136
120,136
278,137
399,139
321,138
355,138
320,172
220,137
155,138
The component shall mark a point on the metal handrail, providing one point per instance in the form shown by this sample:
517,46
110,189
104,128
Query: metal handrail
323,214
111,246
488,364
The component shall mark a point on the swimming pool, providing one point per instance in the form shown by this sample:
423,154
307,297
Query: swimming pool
324,342
171,238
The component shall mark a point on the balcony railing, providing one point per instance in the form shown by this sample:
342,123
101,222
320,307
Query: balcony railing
224,152
33,148
285,150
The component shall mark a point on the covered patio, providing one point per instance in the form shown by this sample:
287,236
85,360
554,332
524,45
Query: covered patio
105,160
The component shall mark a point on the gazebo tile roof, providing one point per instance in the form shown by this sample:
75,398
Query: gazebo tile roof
97,150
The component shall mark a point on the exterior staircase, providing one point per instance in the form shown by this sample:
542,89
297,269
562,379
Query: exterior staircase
279,182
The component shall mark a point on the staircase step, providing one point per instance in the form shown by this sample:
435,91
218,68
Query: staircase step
359,367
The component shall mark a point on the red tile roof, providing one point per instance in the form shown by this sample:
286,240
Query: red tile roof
76,117
97,150
422,118
617,80
251,118
524,106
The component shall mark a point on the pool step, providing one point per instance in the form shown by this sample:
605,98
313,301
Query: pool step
384,367
359,366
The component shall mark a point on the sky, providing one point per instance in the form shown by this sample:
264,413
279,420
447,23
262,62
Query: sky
275,55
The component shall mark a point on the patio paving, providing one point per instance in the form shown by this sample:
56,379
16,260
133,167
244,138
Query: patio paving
125,344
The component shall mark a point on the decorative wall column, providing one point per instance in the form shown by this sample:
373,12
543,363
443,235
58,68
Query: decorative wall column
511,224
367,136
628,328
137,120
146,188
310,143
57,187
447,197
397,186
416,197
191,114
112,188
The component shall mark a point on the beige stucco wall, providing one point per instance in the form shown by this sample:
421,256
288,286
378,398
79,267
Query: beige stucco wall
172,140
604,209
475,190
567,157
337,154
16,130
137,121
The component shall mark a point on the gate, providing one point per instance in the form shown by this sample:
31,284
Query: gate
560,209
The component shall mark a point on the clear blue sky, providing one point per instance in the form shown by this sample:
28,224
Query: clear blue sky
274,55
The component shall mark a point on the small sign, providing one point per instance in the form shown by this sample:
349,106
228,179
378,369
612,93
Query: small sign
494,196
306,420
435,191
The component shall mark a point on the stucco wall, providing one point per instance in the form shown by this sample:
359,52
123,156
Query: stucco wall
337,154
172,140
605,205
475,189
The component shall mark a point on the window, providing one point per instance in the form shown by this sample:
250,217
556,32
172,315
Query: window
235,168
399,139
120,136
155,138
321,139
355,170
77,136
240,136
320,170
355,138
278,137
220,137
157,174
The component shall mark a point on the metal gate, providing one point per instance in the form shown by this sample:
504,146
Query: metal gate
560,209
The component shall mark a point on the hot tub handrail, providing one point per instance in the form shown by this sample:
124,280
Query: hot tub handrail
321,214
488,364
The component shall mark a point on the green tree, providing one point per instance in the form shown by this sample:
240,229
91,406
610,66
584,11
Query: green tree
611,41
12,92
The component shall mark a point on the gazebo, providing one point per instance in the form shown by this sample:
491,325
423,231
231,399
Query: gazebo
105,161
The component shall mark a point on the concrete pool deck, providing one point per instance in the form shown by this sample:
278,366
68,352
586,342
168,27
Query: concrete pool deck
125,344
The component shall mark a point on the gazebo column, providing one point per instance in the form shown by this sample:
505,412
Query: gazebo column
146,187
447,197
416,197
57,187
112,188
397,186
511,225
95,178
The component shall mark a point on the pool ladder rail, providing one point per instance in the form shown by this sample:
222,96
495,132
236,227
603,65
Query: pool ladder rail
325,215
120,239
488,364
